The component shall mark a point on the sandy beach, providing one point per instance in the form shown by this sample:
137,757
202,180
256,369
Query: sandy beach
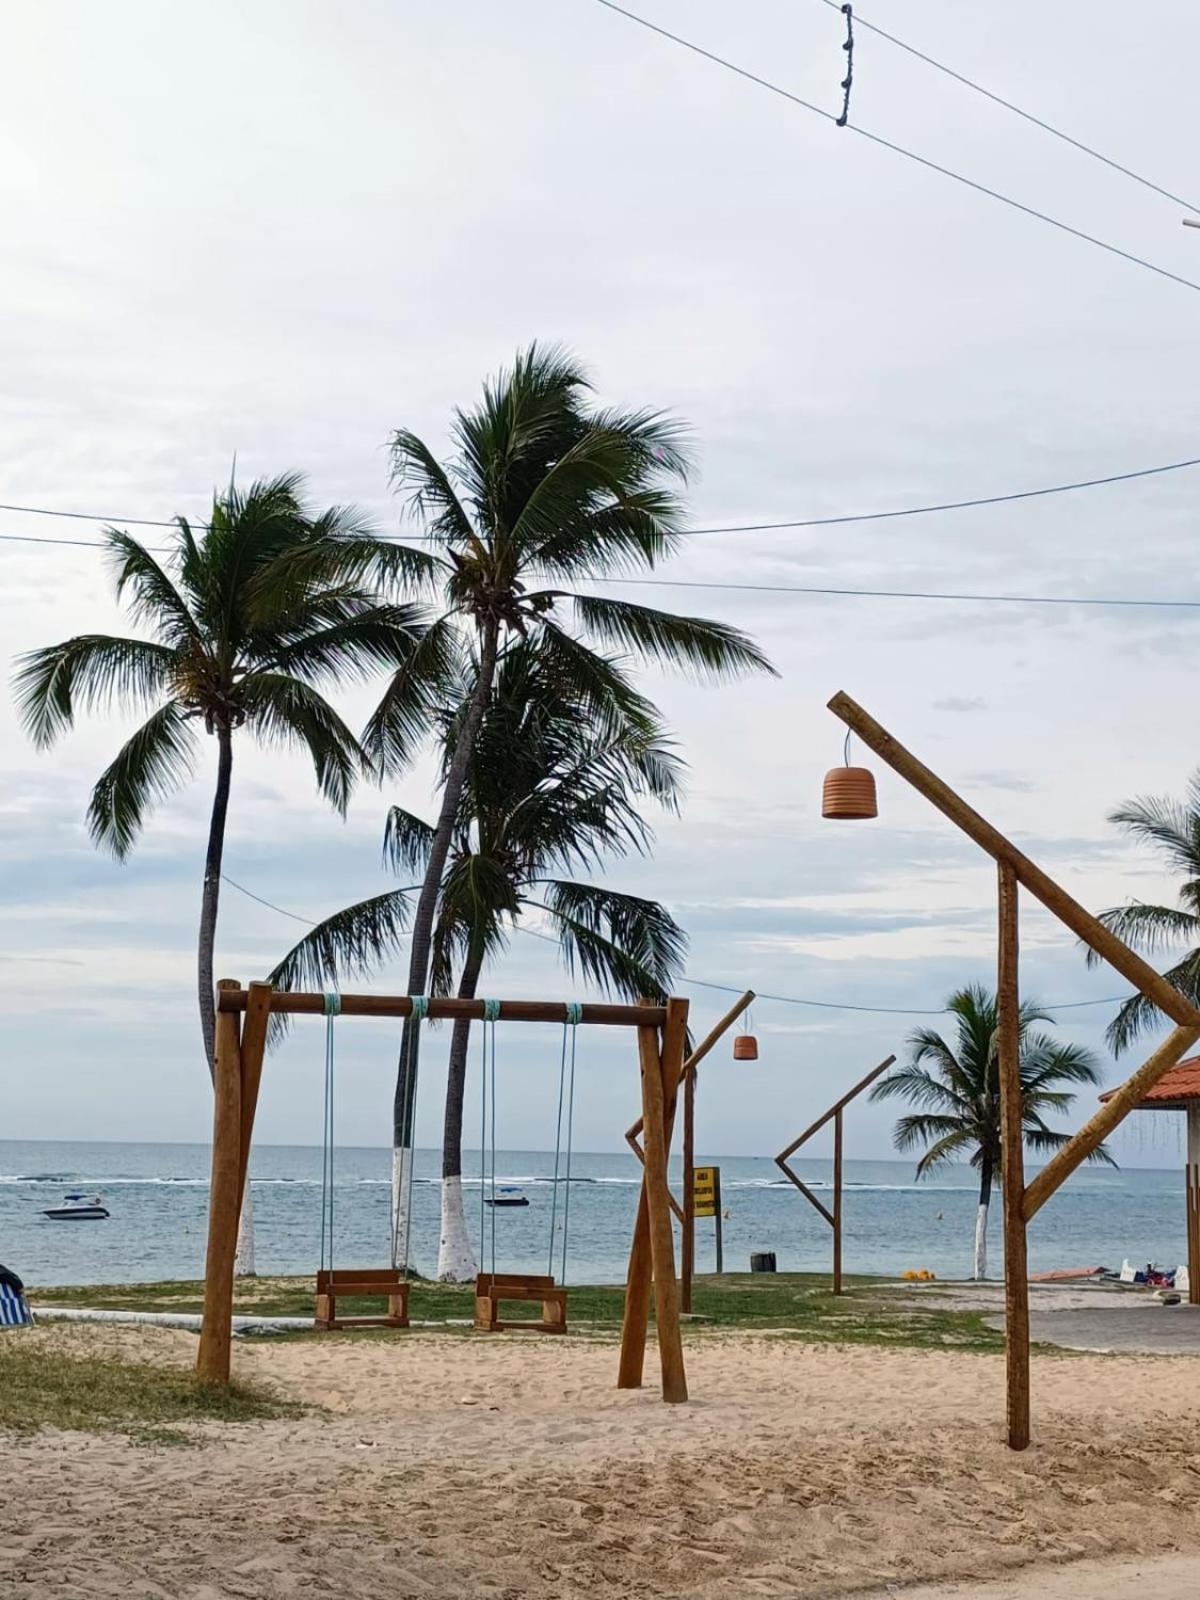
448,1464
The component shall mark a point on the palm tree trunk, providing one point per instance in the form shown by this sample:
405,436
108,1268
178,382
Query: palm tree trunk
456,1262
404,1105
212,891
209,900
981,1219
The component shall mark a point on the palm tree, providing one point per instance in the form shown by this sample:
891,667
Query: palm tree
1173,829
544,488
958,1090
249,616
544,794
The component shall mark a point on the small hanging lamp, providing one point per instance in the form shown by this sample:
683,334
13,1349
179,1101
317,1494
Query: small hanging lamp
849,792
745,1045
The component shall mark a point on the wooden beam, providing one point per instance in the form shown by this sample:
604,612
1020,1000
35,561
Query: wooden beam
448,1008
216,1333
1012,1142
809,1195
254,1043
835,1108
687,1244
658,1090
1088,928
1124,1100
837,1201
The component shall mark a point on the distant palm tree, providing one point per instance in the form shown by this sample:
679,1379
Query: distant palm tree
544,488
958,1089
249,617
544,793
1173,829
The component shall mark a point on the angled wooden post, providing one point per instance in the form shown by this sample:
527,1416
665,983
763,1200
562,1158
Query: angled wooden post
834,1115
1012,1140
687,1244
224,1199
658,1093
1017,868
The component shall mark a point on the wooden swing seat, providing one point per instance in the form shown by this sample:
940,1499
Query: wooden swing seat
492,1288
383,1283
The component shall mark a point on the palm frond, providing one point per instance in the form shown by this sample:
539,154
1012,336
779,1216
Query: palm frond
379,638
1139,1016
709,649
150,593
406,841
282,710
428,494
618,940
352,943
1173,829
93,670
1149,928
413,698
153,764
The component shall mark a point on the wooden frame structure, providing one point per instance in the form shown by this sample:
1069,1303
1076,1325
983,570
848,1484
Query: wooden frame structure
241,1033
1023,1201
834,1217
685,1214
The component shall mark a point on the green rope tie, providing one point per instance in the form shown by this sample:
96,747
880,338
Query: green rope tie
333,1003
491,1010
420,1007
574,1013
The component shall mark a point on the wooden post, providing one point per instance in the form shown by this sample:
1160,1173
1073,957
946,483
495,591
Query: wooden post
687,1247
717,1221
837,1201
641,1269
1012,1140
659,1081
254,1042
224,1197
1097,1128
1193,1202
712,1037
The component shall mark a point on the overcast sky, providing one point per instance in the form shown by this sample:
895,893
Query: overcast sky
283,230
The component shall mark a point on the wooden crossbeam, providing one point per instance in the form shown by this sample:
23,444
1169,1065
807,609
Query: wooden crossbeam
447,1008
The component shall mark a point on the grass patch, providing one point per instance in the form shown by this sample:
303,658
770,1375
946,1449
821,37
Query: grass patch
798,1304
43,1385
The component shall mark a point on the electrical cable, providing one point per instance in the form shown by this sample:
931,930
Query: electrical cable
900,150
1008,105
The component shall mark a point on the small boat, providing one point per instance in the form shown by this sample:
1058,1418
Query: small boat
78,1208
507,1197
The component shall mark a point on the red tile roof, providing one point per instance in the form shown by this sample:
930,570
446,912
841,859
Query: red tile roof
1174,1088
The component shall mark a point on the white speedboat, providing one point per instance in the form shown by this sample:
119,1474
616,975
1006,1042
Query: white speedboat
78,1208
507,1197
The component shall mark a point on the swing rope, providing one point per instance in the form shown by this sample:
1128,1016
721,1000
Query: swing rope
420,1010
566,1088
487,1132
333,1005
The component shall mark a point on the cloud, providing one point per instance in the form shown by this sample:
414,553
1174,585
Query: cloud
961,703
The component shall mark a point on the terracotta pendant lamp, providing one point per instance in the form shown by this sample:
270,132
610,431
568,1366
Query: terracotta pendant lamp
745,1045
849,792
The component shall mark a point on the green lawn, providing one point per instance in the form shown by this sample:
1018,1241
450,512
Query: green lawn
797,1303
55,1386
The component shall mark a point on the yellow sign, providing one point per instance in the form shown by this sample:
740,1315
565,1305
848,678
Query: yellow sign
706,1191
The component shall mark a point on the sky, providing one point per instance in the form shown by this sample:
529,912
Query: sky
280,232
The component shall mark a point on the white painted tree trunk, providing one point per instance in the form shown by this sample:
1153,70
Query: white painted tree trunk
456,1259
243,1261
981,1222
402,1158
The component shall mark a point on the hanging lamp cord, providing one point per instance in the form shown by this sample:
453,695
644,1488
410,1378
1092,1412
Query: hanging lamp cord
420,1010
333,1005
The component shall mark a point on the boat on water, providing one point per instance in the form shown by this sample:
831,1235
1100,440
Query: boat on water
78,1208
507,1197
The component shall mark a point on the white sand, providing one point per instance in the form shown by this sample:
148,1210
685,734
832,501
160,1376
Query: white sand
509,1467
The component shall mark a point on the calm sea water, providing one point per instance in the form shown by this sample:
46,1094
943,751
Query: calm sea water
158,1193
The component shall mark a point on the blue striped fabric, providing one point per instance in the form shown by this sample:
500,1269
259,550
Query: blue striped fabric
14,1313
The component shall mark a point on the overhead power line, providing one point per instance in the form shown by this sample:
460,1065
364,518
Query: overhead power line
729,988
836,520
1038,122
830,591
897,149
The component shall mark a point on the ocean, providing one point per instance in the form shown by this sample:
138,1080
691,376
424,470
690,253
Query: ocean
158,1193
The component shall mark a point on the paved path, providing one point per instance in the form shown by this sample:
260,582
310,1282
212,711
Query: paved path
1148,1328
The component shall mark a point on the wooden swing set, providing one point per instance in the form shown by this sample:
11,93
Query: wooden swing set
1022,1201
242,1017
